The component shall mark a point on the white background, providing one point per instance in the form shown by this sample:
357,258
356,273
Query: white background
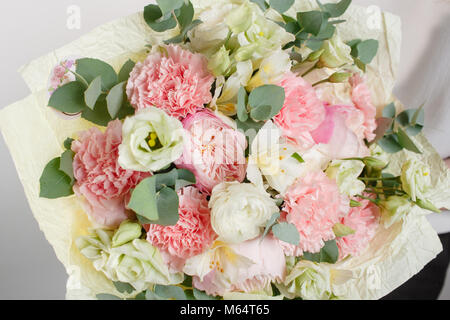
28,29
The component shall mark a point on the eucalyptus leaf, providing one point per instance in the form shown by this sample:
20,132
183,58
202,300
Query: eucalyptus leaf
90,69
143,199
99,115
170,292
336,9
273,219
367,50
124,73
123,287
93,92
54,183
267,95
66,164
114,99
201,295
262,4
186,175
167,179
341,230
185,15
406,141
68,143
383,125
242,113
329,252
168,6
154,18
389,111
281,5
390,144
69,98
286,232
167,204
261,113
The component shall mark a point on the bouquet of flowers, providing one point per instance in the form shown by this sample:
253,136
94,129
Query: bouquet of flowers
235,149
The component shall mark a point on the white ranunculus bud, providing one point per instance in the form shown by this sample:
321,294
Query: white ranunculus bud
239,212
151,140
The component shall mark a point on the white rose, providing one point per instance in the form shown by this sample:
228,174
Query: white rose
416,179
313,281
346,173
239,212
151,140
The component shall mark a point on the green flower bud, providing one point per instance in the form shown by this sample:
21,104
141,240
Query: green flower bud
427,205
374,163
127,232
313,56
339,77
394,208
336,53
220,62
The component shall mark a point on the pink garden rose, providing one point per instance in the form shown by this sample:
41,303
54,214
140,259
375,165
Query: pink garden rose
342,132
267,264
104,185
172,79
364,220
362,100
190,236
214,151
314,205
302,111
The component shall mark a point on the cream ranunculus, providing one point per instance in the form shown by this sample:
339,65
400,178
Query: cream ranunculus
136,262
416,179
336,53
312,281
239,212
346,173
151,140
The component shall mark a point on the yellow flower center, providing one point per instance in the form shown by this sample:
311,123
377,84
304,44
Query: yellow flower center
153,141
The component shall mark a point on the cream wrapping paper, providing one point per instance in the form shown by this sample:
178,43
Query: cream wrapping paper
34,134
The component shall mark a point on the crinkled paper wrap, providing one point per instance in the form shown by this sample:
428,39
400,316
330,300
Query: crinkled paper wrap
35,134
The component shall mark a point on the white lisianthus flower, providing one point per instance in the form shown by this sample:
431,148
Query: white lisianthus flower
272,156
263,37
336,53
271,70
416,179
240,211
239,19
136,262
378,153
313,281
219,63
346,173
151,140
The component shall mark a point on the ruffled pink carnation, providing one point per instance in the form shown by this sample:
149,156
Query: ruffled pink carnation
104,185
172,79
61,75
314,205
190,236
302,111
214,151
364,220
362,99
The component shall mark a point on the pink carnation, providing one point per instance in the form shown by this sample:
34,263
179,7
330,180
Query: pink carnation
190,236
104,185
214,151
364,221
362,99
314,205
61,75
172,79
302,111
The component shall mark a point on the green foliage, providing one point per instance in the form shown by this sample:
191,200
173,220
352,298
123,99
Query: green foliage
97,93
270,223
169,14
123,287
106,296
297,157
155,199
68,143
394,130
329,253
55,183
262,4
266,102
242,112
341,230
363,52
286,232
281,5
335,9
